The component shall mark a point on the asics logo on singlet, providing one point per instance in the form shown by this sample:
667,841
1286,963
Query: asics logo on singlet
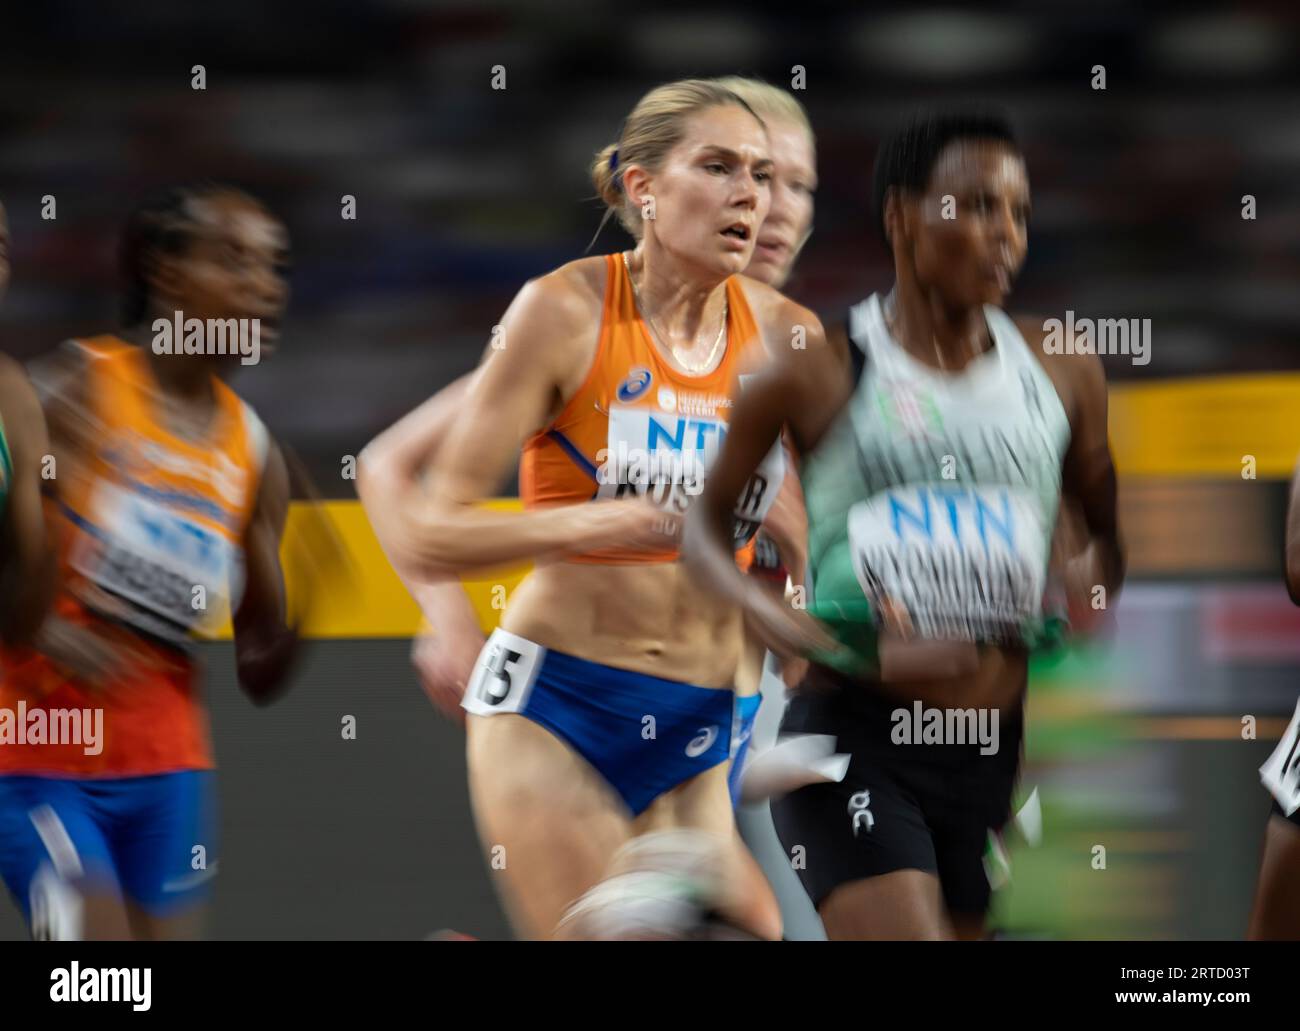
637,383
702,741
860,814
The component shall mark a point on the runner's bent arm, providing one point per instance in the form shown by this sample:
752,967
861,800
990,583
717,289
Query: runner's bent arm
27,575
796,389
1293,539
394,464
443,533
1089,476
265,644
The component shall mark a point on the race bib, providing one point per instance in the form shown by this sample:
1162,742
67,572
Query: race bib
952,562
1281,773
178,574
666,457
503,677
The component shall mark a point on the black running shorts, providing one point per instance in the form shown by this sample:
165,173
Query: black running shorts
901,806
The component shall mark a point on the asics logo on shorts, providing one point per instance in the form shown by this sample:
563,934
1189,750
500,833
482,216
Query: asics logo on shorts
703,739
860,814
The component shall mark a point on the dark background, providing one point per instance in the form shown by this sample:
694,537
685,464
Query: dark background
463,192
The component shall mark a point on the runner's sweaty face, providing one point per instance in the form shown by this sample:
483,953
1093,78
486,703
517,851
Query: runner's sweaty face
718,175
968,232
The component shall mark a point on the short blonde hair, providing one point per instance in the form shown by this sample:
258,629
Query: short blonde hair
655,126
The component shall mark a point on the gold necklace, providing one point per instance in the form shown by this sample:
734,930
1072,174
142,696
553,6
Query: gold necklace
694,370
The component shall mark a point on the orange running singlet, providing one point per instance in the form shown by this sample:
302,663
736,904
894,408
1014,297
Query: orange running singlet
151,553
638,426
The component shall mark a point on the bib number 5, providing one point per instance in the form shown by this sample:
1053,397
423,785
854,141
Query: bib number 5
503,676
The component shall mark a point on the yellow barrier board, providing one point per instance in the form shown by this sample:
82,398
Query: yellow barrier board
1207,427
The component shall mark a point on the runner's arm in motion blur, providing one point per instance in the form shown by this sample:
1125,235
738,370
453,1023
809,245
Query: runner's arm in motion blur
435,530
1089,490
27,575
1089,482
1293,539
801,391
786,524
265,644
445,651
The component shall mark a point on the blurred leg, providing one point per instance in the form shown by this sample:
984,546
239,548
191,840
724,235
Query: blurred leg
905,905
56,861
185,925
1276,916
548,822
164,841
703,803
